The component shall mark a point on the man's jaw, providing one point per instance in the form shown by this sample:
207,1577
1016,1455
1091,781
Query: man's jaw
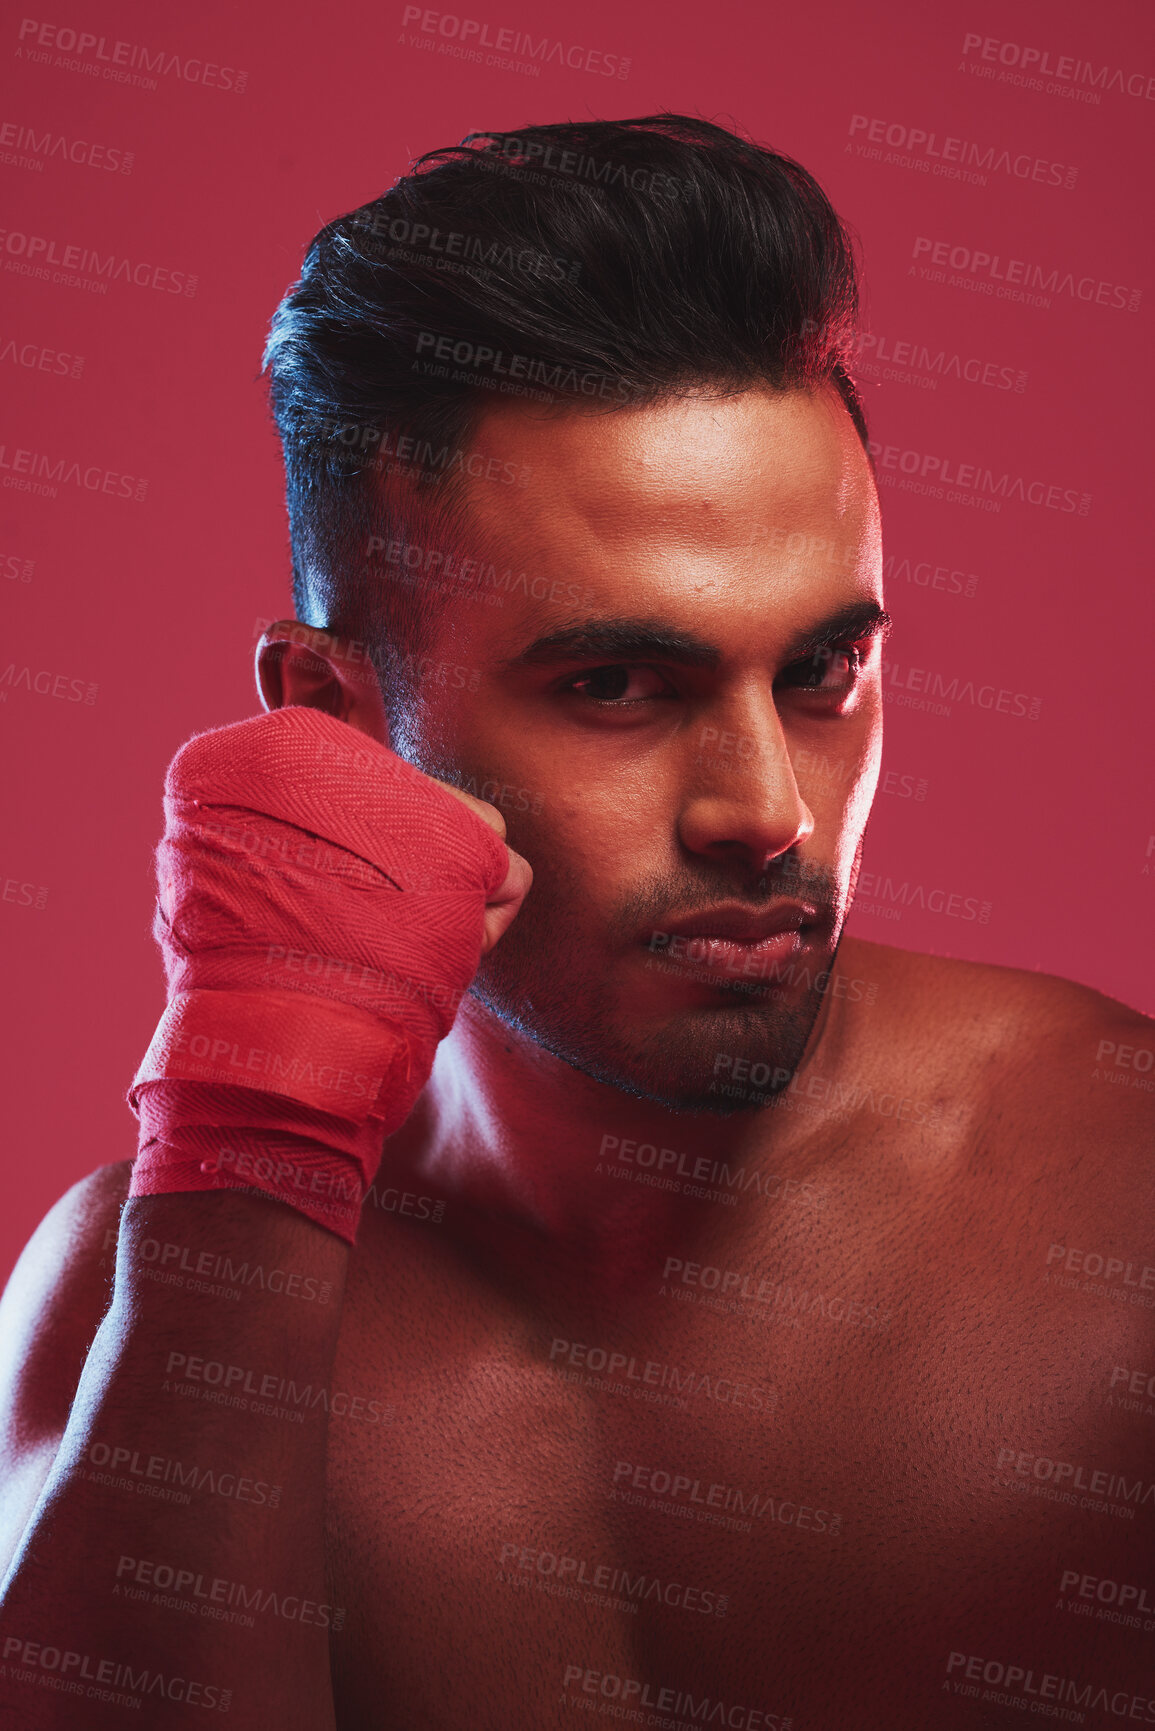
674,1060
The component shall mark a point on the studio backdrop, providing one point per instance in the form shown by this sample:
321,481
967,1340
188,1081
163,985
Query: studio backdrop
163,170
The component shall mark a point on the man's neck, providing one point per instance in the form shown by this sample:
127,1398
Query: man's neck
530,1150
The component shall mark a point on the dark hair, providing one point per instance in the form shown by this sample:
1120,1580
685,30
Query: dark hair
601,262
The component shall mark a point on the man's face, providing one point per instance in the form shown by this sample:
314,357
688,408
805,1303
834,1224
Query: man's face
681,722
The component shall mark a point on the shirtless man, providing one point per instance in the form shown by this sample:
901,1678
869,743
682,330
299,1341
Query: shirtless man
748,1325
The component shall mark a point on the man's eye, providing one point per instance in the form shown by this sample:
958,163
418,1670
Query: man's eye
619,684
828,669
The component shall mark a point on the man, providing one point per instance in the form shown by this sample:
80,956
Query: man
746,1324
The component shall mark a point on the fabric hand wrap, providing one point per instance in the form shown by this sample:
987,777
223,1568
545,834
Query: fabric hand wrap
320,911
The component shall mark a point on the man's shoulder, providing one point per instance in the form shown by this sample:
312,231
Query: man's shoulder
1020,1001
56,1296
1014,1032
49,1312
1037,1081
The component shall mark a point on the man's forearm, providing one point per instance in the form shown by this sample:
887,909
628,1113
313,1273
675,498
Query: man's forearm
176,1556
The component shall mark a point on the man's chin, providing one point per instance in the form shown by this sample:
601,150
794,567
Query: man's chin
703,1102
703,1091
719,1060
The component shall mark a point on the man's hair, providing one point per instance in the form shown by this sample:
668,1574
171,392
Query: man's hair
594,264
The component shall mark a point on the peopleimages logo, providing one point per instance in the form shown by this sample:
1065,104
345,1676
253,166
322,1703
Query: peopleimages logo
879,895
1029,66
525,156
929,688
662,1702
35,472
49,260
455,249
480,358
119,62
1021,1682
970,481
926,574
38,357
36,148
906,361
473,34
952,158
1018,278
45,683
110,1680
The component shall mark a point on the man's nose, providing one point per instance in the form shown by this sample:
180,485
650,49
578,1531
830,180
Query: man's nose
742,796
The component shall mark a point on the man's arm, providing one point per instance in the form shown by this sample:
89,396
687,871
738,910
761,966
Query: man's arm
50,1311
185,1502
175,1556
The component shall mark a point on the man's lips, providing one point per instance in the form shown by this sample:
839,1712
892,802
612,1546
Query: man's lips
734,941
736,925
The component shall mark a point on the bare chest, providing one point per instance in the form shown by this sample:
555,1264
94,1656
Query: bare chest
815,1494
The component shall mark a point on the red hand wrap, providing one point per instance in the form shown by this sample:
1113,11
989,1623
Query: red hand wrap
320,912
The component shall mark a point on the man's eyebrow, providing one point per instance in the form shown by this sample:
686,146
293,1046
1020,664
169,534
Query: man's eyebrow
849,625
621,640
618,640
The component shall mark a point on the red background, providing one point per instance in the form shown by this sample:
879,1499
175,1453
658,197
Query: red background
154,602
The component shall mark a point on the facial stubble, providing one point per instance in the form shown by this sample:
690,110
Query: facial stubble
544,981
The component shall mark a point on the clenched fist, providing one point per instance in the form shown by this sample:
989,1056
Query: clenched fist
322,908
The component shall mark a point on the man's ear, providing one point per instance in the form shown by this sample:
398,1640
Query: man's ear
301,664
